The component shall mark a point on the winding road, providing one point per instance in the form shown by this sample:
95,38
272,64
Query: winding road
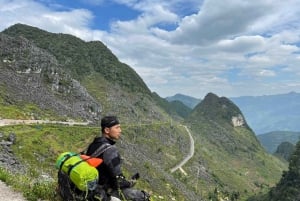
190,154
7,122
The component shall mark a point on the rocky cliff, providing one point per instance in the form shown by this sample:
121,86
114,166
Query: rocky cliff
32,75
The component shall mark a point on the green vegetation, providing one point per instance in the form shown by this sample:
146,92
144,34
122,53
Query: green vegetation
233,171
176,109
27,111
33,188
288,188
285,150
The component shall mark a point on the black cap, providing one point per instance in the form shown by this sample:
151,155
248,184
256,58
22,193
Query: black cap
109,121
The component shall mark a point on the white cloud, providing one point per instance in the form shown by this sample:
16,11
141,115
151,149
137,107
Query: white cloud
242,44
217,20
35,14
153,15
266,73
281,15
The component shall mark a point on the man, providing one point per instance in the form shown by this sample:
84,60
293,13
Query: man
110,173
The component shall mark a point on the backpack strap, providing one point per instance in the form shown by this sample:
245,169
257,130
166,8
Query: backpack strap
101,149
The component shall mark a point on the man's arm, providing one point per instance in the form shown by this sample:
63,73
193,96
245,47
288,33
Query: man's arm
112,160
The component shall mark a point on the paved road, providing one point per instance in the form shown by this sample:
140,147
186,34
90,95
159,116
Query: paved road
190,154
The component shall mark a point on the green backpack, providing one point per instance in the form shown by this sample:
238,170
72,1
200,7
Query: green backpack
83,175
79,168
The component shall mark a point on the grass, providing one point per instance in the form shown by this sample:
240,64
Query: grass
32,189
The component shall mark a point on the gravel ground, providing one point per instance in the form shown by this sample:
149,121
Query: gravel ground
7,194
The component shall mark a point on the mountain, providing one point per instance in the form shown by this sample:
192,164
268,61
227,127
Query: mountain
285,150
33,76
272,140
175,108
189,101
229,156
65,74
49,76
263,113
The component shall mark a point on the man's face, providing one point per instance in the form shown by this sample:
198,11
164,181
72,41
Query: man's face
114,132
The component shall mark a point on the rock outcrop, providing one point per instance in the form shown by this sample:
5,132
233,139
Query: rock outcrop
7,158
238,121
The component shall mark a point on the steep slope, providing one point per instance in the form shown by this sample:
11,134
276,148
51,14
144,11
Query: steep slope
88,65
81,58
228,154
30,75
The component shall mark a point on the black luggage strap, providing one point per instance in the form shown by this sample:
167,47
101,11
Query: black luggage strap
101,149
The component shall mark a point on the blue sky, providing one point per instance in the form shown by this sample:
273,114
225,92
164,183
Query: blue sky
230,47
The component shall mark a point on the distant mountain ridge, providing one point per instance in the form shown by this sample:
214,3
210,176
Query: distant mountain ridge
189,101
263,113
273,139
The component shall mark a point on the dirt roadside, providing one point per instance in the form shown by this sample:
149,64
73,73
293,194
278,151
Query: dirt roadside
7,194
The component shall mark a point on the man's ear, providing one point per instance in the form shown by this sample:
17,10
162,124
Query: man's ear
106,130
